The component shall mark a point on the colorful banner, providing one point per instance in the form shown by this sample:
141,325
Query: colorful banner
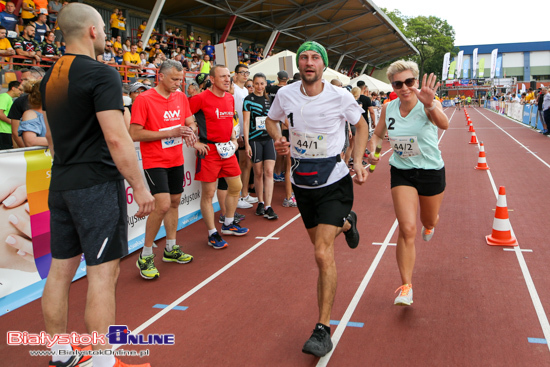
445,71
474,64
25,256
498,67
481,68
452,70
494,54
466,68
459,61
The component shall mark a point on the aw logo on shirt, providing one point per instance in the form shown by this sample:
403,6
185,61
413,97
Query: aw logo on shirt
171,115
223,115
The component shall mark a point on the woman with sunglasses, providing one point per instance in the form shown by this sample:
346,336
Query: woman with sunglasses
249,85
417,169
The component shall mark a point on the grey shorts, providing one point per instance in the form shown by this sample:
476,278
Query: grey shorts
92,221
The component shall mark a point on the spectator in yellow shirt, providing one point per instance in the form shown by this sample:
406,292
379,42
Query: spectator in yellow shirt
118,44
132,58
28,12
530,96
114,24
5,45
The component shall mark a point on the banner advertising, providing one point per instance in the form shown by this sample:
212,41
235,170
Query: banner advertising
447,103
474,64
526,114
494,54
25,256
452,70
533,120
459,59
498,68
445,72
466,68
481,72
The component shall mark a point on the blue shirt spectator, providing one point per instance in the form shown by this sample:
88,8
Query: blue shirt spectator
7,18
209,50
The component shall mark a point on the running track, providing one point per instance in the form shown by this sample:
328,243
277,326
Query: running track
254,303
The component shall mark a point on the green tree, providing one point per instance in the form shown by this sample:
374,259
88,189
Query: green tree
432,37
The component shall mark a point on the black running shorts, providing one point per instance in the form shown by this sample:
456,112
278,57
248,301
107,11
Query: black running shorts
428,182
92,221
263,150
165,180
326,205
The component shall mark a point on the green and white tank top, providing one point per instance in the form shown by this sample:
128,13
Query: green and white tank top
412,138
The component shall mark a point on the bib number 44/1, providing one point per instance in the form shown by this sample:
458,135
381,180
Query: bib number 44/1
309,145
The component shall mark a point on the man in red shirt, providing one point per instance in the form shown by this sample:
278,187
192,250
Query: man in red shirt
161,121
214,110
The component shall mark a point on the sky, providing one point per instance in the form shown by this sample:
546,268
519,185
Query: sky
482,22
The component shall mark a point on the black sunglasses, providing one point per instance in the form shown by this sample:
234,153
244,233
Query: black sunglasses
399,84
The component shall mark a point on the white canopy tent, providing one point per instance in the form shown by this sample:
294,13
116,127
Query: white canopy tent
271,66
373,84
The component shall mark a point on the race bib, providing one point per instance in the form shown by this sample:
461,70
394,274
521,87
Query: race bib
226,150
171,142
309,145
405,146
260,122
12,34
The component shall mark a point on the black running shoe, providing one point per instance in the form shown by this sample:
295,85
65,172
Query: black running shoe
352,234
260,210
319,344
270,214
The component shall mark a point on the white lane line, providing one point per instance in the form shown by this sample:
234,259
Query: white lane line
539,309
205,282
382,243
357,297
517,141
269,238
513,250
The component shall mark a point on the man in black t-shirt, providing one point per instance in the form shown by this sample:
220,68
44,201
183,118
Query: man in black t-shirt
366,103
82,103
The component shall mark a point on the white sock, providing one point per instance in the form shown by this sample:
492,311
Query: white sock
104,361
170,244
212,231
267,207
56,348
147,251
228,221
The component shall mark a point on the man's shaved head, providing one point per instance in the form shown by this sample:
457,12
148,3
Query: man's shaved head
75,21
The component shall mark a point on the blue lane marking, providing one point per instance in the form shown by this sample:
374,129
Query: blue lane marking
537,340
350,324
179,308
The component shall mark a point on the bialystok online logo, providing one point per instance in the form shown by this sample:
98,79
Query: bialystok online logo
117,335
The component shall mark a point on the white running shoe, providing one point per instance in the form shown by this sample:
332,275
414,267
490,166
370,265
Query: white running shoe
250,199
405,297
242,204
427,234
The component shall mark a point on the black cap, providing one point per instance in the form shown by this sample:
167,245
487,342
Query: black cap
282,75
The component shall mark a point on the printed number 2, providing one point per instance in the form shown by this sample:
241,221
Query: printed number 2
392,121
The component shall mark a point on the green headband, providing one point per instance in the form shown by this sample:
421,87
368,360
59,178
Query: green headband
312,46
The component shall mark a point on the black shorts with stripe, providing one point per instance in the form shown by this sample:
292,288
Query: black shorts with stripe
92,221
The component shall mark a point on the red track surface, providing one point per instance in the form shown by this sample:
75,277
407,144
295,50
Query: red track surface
472,305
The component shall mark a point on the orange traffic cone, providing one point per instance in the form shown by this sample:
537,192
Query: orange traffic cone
471,128
481,160
473,139
502,231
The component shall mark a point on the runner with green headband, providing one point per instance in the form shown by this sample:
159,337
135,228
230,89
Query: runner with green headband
317,113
